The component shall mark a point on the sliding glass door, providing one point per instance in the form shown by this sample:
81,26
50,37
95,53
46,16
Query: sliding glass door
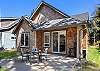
55,41
59,41
62,43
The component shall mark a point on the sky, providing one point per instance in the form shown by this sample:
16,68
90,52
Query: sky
17,8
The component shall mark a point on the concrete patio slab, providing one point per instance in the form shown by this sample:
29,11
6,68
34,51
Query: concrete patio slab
54,63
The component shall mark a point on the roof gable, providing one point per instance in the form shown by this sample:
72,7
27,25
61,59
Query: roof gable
49,6
20,23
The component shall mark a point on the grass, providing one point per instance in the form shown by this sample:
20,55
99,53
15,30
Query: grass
93,60
3,69
94,55
8,54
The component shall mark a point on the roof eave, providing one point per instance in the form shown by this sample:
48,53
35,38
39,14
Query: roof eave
59,27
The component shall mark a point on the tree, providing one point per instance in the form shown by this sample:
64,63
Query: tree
96,23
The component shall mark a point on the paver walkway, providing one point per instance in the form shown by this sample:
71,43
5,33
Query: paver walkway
54,63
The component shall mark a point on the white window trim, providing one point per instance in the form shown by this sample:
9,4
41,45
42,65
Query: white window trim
44,39
24,39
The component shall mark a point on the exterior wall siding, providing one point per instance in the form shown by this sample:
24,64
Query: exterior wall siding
84,39
45,13
8,41
70,38
39,40
71,41
5,37
25,28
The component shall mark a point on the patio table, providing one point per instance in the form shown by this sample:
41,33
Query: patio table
41,55
35,51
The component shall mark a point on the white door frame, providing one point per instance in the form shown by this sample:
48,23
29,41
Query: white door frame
59,32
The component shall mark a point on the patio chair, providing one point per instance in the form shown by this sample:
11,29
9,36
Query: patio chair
25,54
45,54
40,56
34,51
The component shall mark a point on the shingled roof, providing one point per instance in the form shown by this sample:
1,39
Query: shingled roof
57,23
9,27
81,17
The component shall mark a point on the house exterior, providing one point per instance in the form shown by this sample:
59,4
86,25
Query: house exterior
7,39
50,28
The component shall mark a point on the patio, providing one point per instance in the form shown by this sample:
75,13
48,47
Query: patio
53,63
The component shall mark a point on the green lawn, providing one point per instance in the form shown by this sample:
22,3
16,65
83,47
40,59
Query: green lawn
94,55
93,60
8,54
3,69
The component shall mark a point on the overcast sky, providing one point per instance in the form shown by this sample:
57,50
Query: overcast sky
17,8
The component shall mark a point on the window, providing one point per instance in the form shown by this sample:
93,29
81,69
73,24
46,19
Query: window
25,39
46,39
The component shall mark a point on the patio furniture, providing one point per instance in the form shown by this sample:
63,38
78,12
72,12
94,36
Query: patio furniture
37,53
41,55
25,54
34,51
45,53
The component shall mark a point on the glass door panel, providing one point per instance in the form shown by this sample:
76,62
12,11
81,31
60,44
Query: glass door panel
62,43
55,41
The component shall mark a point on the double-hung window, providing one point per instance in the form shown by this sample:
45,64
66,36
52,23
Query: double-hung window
46,39
25,39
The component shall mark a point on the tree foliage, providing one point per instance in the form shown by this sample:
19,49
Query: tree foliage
94,28
97,25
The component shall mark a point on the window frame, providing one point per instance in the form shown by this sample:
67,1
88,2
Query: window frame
24,33
44,39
